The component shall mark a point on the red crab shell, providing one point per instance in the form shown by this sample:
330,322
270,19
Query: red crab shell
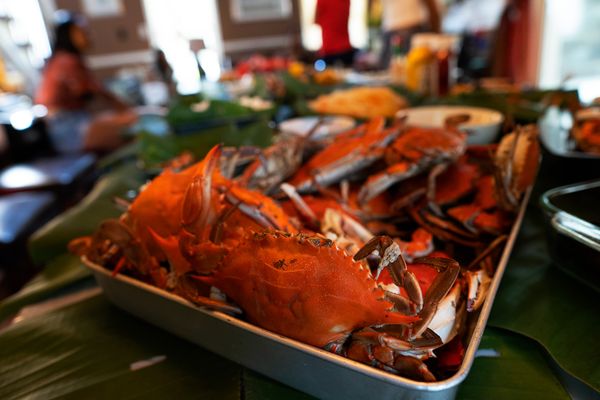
157,209
302,287
416,143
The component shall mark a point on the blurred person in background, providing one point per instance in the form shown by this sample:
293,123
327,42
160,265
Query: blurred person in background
401,19
82,114
332,16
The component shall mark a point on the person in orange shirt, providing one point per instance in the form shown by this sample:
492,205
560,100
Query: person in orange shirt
68,89
332,16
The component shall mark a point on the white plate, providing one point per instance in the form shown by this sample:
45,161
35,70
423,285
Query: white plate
330,126
367,78
483,126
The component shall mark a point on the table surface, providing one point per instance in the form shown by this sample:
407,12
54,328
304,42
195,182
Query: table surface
544,327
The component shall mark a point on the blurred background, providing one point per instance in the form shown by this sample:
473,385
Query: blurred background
76,75
556,40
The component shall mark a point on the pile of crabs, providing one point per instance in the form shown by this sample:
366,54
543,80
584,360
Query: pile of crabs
375,244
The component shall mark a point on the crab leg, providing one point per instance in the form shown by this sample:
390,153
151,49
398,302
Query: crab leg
478,283
124,240
504,176
408,199
345,191
253,212
391,256
433,174
429,341
489,250
447,225
300,204
216,305
439,263
196,210
440,286
440,232
378,183
413,367
345,166
216,231
401,303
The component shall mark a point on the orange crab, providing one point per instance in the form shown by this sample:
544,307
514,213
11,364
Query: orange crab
174,212
586,133
348,154
302,287
414,151
427,288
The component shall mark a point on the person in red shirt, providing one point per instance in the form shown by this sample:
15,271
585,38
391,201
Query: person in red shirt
332,16
68,89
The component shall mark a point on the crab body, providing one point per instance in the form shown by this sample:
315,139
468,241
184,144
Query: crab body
414,151
302,287
347,155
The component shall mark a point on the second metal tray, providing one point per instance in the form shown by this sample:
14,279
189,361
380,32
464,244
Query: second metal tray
572,228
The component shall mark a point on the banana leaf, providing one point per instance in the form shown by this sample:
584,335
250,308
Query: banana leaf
51,240
520,371
158,149
86,350
61,272
181,110
184,119
119,157
542,302
296,88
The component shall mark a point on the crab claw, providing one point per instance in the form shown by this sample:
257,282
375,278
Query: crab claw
391,257
197,202
80,246
516,161
478,283
116,232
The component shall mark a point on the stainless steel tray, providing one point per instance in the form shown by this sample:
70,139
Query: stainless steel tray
573,229
304,367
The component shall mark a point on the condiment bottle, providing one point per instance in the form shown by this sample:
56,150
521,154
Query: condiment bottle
418,64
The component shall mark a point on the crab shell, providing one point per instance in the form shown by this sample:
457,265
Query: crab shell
302,287
177,205
517,159
586,133
415,144
345,156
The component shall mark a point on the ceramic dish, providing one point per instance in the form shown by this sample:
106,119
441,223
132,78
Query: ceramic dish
483,126
329,126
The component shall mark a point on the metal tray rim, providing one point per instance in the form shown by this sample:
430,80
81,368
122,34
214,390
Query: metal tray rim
396,380
547,196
